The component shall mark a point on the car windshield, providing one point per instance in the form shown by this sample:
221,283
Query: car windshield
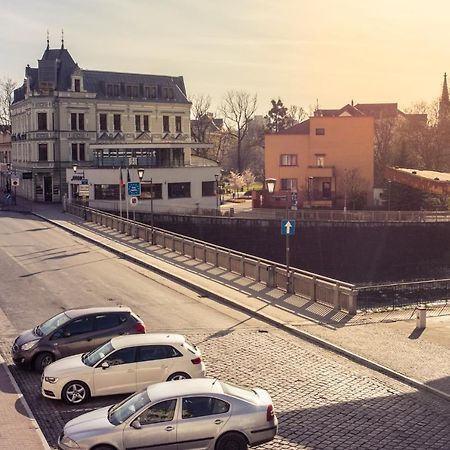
117,414
248,395
93,357
52,324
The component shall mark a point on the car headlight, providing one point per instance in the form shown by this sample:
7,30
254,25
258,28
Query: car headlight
69,442
29,345
51,380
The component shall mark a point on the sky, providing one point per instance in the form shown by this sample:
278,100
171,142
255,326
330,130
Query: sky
325,52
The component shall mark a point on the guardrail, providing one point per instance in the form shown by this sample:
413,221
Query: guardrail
315,288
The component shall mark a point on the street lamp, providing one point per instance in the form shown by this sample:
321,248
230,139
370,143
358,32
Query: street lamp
151,207
310,182
270,185
389,194
217,191
75,168
140,174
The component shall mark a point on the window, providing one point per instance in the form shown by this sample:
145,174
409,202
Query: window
103,119
42,121
288,160
81,121
166,127
106,321
155,352
122,356
161,412
134,91
74,152
116,90
137,120
146,128
43,152
320,160
146,190
165,92
107,191
203,406
171,93
288,184
153,92
77,85
77,121
178,124
320,131
78,326
326,190
208,188
117,125
179,190
78,152
109,90
128,91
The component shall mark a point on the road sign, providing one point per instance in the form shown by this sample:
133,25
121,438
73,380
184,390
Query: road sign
134,189
14,181
83,190
288,227
84,181
133,201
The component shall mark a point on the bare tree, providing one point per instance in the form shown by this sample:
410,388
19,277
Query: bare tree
248,177
201,105
7,87
296,114
238,108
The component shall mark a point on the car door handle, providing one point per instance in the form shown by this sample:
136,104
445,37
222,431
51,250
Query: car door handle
89,339
169,428
218,421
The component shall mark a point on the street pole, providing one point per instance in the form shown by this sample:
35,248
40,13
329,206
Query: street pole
151,208
288,276
389,195
120,191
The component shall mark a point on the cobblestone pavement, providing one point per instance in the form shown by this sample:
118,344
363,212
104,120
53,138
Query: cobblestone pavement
322,400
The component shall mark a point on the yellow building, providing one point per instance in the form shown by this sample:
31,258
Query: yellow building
328,159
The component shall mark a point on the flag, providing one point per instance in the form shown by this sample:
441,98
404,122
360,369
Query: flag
128,176
121,183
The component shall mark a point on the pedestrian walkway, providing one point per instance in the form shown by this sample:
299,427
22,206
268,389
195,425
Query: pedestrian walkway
18,429
388,339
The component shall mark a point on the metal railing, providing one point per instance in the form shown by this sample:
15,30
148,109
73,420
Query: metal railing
315,288
401,295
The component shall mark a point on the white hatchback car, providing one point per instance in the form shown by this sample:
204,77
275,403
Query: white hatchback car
124,364
200,414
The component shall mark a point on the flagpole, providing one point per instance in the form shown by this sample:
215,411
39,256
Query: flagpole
126,192
120,192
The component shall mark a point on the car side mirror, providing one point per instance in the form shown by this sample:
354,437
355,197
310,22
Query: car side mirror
104,365
136,424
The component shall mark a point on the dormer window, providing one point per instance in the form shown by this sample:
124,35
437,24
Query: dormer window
77,85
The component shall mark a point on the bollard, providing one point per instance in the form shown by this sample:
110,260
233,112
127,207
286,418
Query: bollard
271,277
421,317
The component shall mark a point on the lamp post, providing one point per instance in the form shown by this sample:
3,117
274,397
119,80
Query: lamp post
310,182
75,170
140,173
389,194
151,208
270,185
217,192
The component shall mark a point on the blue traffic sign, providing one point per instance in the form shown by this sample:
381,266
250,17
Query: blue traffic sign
288,227
134,189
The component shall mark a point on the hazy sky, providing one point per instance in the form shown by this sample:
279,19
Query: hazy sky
301,51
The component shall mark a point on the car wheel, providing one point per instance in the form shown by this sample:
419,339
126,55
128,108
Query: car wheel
104,447
231,441
75,392
178,376
42,360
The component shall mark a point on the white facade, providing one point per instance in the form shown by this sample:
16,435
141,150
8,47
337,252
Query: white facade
63,115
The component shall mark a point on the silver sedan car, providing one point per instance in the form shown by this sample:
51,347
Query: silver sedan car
202,413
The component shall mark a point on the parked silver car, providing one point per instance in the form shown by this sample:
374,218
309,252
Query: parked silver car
201,413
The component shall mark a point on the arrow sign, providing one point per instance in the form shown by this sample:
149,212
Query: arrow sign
288,227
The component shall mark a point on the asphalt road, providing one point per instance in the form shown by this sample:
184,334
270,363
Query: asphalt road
323,401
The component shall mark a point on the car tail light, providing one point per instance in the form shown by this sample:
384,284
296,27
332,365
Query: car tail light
197,360
139,327
270,413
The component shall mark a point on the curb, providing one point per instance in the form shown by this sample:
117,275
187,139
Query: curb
263,317
25,404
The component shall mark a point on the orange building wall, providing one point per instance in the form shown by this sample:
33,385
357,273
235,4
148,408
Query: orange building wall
348,144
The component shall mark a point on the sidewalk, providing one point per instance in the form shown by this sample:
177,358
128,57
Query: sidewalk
388,341
18,429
